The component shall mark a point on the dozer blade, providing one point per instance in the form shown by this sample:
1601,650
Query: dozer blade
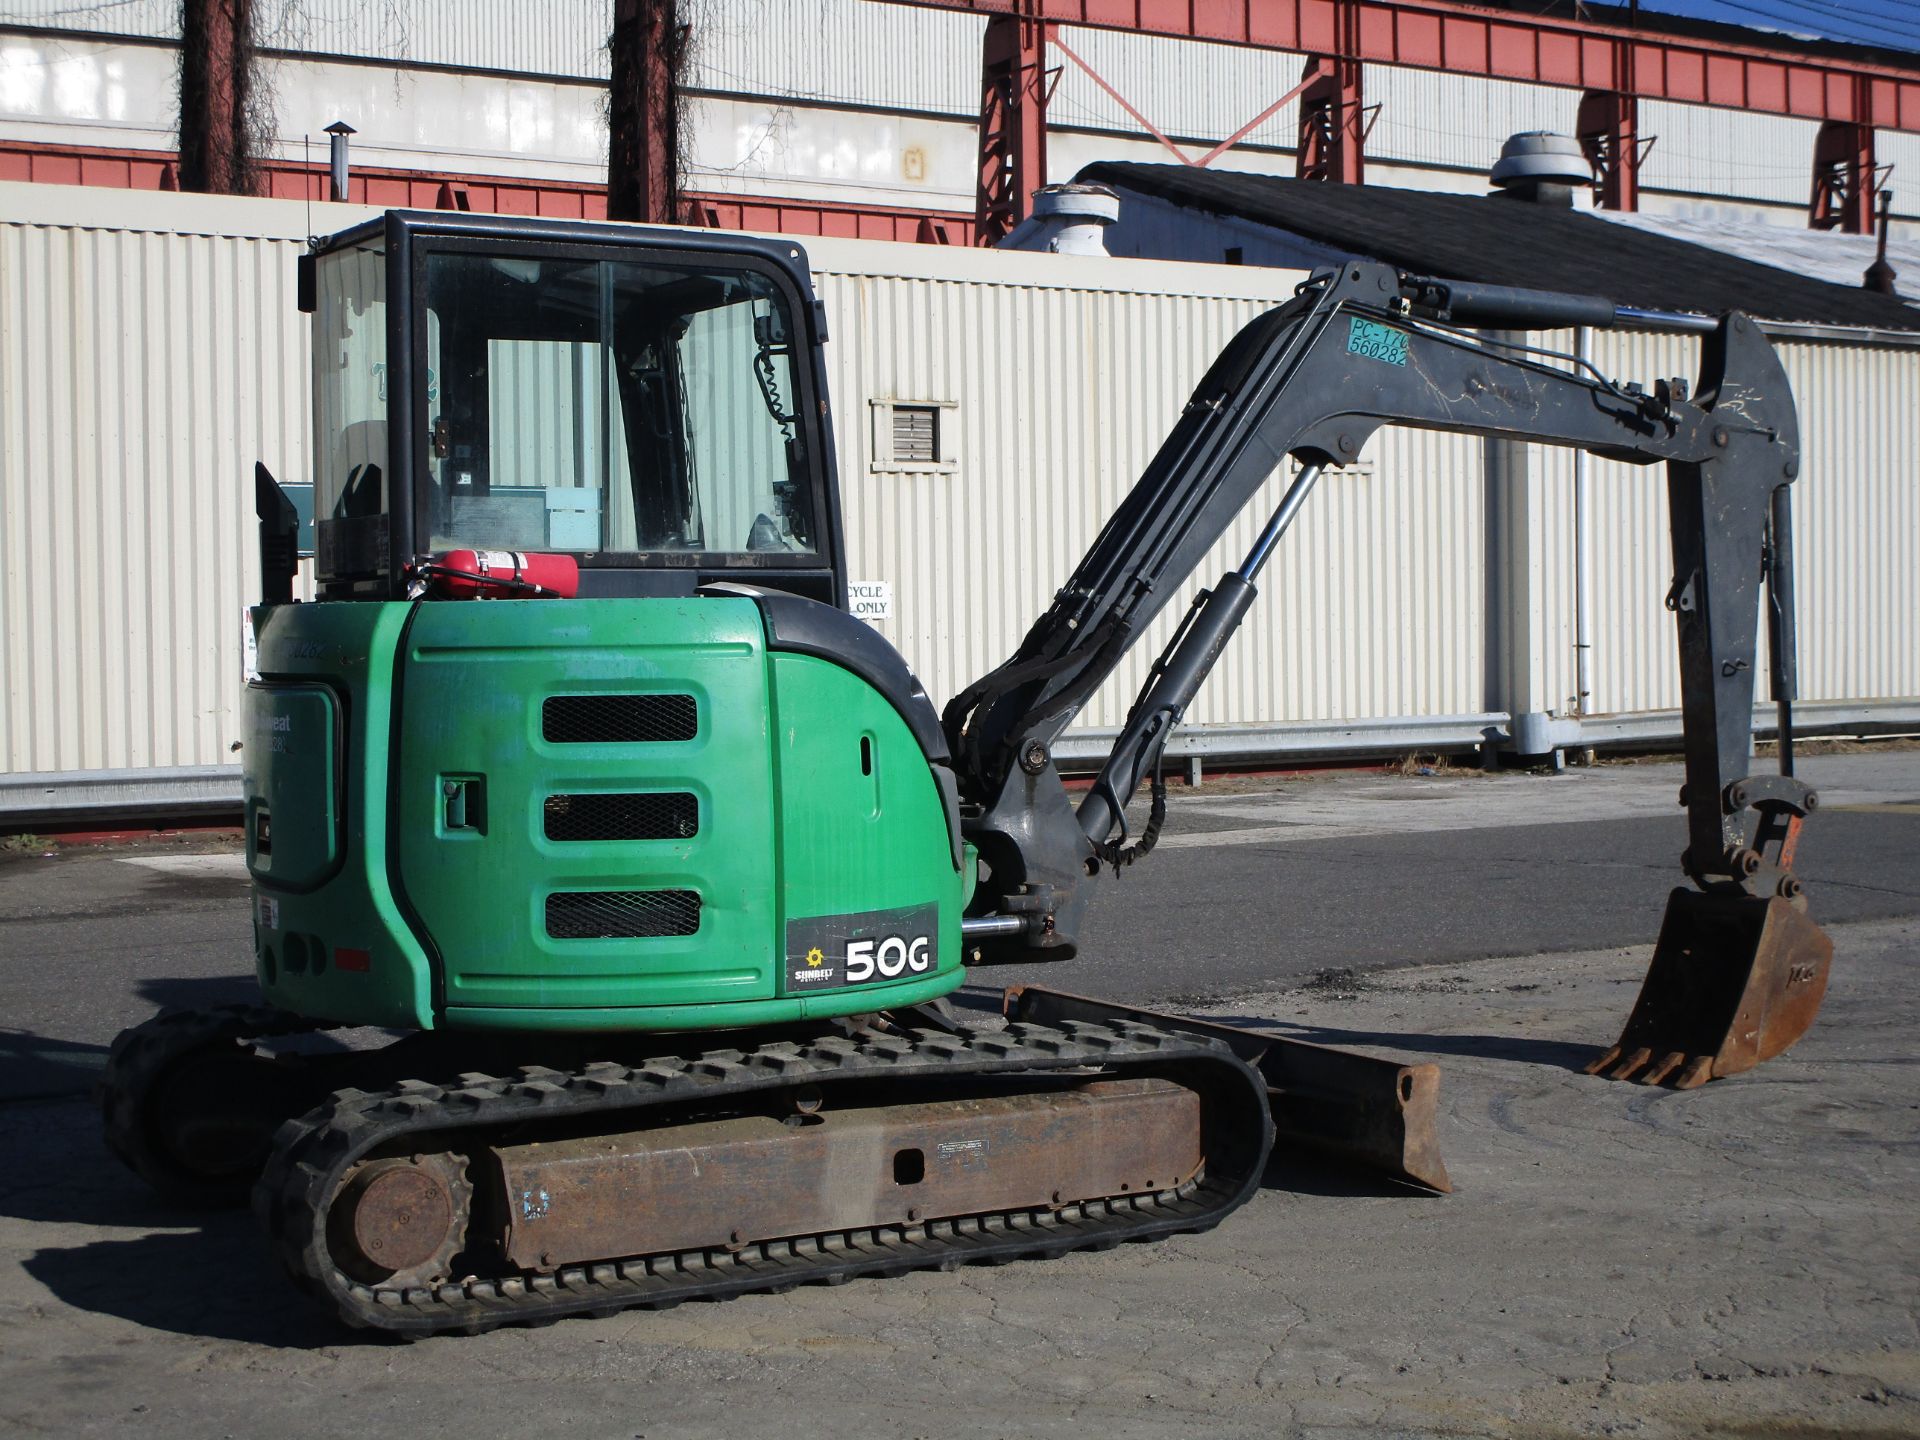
1377,1115
1735,980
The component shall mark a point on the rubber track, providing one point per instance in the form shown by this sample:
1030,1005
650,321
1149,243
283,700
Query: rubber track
137,1065
312,1155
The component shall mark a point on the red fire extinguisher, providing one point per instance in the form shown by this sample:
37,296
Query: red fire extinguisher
501,575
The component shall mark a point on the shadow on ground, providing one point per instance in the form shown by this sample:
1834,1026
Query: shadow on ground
215,1281
34,1067
45,1067
1302,1172
200,1273
170,993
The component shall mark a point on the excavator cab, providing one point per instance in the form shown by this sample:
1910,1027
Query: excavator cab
579,734
652,410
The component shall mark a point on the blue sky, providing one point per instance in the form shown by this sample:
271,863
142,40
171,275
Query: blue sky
1894,24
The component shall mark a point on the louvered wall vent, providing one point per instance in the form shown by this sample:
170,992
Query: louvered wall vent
916,434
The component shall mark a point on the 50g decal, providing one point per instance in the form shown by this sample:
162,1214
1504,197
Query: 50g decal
888,959
829,952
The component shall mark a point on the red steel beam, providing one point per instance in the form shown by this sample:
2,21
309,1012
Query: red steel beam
1502,44
1333,131
1843,180
813,217
1609,131
1013,121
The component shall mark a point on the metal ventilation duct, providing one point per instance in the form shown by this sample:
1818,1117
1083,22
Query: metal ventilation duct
1541,166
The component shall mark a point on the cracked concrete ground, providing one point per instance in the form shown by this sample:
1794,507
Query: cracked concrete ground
1743,1260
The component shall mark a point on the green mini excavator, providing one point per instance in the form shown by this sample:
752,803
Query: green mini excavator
576,757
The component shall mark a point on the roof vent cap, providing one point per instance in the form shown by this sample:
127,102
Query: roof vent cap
1541,166
1072,217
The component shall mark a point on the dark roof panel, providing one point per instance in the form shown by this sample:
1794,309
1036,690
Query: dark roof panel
1499,241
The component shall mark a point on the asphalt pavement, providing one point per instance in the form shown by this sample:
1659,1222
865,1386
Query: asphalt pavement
1735,1261
1247,888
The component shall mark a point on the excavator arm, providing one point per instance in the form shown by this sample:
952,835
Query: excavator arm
1358,348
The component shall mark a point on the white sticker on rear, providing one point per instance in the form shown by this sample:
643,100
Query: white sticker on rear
249,647
266,910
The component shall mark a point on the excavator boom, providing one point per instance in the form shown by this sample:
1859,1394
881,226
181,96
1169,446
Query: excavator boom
1366,346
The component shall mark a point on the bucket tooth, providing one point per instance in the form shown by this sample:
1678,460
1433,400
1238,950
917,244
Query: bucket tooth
1666,1065
1735,980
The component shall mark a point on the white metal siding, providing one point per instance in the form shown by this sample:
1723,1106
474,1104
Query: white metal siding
847,51
1734,153
1187,88
854,51
1856,531
539,37
1857,521
535,37
148,358
142,19
1371,606
141,375
1438,118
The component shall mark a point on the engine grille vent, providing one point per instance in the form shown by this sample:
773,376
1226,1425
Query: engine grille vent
618,719
650,815
622,914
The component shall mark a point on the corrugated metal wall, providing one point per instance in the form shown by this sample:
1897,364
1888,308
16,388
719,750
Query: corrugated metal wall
874,54
1391,626
1185,87
1706,151
847,51
539,37
146,361
536,37
141,375
142,19
1431,117
1856,531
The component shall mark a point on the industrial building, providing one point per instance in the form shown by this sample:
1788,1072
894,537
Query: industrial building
152,352
937,119
153,358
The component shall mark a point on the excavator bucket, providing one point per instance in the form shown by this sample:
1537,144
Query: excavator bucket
1735,980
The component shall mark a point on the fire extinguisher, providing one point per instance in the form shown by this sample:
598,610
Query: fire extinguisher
500,575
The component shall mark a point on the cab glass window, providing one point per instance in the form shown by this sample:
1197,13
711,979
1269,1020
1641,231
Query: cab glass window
610,408
351,467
